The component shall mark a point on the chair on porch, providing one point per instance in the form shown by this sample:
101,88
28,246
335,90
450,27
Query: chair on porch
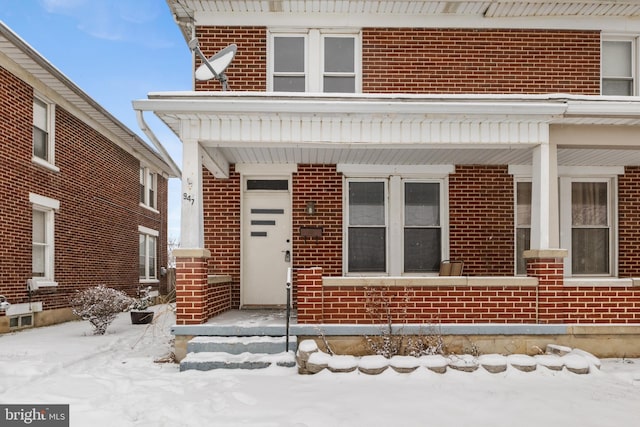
451,268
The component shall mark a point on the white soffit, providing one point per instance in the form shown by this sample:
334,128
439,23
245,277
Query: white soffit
603,14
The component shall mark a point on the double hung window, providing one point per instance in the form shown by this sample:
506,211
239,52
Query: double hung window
148,188
618,67
395,226
42,239
43,133
314,61
148,250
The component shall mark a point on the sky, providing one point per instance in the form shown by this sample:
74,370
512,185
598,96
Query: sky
115,51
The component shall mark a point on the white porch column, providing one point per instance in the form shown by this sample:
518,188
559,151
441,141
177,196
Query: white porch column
544,203
191,220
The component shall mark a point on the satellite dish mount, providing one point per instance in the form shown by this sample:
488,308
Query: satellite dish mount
214,67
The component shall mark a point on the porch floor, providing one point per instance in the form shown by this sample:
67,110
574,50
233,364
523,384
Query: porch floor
253,318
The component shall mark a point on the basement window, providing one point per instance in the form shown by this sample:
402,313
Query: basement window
23,321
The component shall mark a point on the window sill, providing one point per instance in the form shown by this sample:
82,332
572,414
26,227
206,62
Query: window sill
149,281
601,282
45,164
44,283
142,205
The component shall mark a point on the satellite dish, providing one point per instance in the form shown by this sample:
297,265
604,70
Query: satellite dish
214,67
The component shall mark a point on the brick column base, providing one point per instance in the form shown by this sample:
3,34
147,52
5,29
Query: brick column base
191,286
309,295
548,266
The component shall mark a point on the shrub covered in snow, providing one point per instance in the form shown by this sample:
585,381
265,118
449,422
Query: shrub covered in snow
100,306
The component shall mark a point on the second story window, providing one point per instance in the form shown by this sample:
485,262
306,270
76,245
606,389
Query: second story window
314,61
618,67
43,135
148,188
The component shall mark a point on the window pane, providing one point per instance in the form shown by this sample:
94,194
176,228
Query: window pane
142,251
590,251
367,251
152,188
366,203
421,204
267,184
289,84
339,84
523,203
39,227
38,254
142,186
339,54
288,54
40,114
617,87
616,59
421,250
523,243
589,203
40,148
152,257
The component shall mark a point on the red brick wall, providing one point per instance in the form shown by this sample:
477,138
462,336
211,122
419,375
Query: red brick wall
480,61
412,304
629,222
96,227
322,184
221,205
248,71
424,60
481,219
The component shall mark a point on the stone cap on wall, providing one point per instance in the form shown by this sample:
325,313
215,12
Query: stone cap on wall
546,253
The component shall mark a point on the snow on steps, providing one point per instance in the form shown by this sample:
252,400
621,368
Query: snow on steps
223,352
206,361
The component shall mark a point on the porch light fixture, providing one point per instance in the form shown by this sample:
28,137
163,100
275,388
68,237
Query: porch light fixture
214,67
4,304
311,208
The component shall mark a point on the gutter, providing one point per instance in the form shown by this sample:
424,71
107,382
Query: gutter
152,137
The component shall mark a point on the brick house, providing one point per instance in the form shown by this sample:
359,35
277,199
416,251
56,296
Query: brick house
363,142
83,199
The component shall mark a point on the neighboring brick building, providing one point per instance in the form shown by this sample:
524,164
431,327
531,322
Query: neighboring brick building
364,142
83,200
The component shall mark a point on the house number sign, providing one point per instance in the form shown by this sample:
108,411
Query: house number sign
188,198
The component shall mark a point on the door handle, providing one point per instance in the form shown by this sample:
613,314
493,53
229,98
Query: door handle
287,256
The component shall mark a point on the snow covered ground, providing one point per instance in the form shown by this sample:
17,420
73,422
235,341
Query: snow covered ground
112,380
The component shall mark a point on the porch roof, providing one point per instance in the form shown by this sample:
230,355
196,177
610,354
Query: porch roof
398,129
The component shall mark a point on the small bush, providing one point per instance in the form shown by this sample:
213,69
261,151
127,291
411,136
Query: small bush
100,306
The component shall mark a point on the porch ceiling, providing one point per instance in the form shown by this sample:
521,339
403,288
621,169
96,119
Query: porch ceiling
264,128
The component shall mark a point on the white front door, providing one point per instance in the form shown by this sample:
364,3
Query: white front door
266,241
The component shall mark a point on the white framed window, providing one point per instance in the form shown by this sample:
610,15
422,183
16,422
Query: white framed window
619,67
422,238
148,254
396,225
367,226
148,188
522,224
43,239
588,226
314,61
43,132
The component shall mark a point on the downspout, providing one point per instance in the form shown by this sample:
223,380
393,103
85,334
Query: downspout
163,153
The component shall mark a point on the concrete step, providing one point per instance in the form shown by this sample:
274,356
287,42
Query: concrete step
239,345
206,361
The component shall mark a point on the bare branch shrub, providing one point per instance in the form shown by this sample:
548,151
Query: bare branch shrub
100,306
391,342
